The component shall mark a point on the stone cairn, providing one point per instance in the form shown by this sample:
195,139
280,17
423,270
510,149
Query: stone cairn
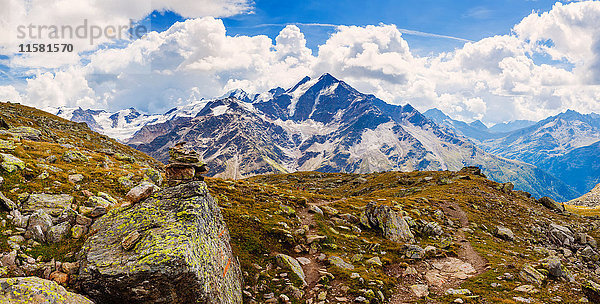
184,165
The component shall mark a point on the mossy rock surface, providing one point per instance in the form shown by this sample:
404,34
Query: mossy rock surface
182,256
32,290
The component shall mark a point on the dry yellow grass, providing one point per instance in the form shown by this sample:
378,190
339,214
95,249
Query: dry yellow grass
585,211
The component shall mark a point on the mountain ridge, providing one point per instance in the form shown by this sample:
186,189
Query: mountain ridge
325,125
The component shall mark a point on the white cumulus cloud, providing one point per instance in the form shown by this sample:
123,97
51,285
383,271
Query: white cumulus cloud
549,63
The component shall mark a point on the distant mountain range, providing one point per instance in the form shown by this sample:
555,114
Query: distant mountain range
565,145
324,125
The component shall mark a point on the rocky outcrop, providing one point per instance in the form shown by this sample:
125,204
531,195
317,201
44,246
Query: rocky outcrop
11,163
33,290
289,263
182,254
590,199
551,204
394,227
52,204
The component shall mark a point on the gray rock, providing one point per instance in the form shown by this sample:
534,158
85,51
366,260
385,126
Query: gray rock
289,263
591,290
315,209
78,231
53,204
11,163
71,156
531,275
504,233
8,259
67,215
7,203
338,262
94,201
420,290
394,227
75,178
98,211
588,254
19,220
554,267
140,192
185,243
415,252
35,290
551,204
561,236
39,223
58,233
83,220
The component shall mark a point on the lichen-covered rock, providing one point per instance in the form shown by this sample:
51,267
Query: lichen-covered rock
338,262
289,263
52,204
58,232
26,133
555,268
154,176
182,256
394,227
94,201
67,215
72,156
33,290
108,197
592,291
11,163
7,203
532,275
39,223
78,231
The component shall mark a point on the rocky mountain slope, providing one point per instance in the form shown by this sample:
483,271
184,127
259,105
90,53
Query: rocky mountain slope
66,195
456,237
85,212
325,125
590,199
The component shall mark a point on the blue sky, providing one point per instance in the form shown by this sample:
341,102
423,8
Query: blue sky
467,19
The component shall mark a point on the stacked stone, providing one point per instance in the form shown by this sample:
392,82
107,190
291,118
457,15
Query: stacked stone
184,165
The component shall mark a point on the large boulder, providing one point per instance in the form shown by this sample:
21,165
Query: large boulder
11,163
561,235
591,290
36,290
289,263
53,204
181,256
7,203
551,204
394,227
141,192
39,224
